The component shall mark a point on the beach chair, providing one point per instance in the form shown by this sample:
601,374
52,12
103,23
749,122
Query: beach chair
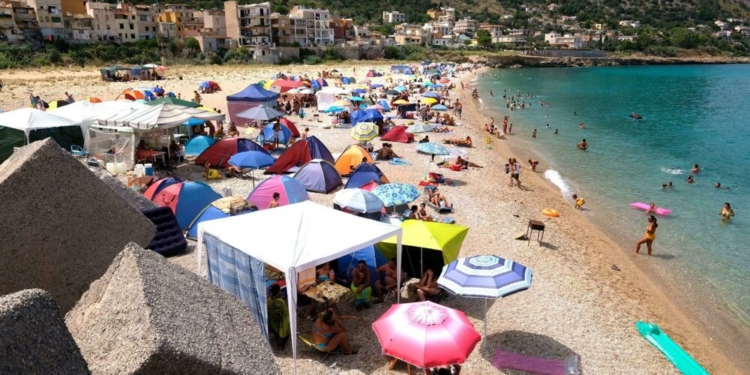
309,343
425,198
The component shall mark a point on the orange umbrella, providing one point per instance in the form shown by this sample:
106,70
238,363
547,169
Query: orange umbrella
92,99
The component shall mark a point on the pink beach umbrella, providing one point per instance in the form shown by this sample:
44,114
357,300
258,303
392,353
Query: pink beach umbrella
426,334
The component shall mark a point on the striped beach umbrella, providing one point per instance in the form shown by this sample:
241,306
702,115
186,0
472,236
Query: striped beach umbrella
485,276
364,131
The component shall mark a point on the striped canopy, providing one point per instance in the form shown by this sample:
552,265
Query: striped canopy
485,276
162,116
364,131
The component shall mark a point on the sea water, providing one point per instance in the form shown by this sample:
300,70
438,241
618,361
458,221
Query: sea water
691,115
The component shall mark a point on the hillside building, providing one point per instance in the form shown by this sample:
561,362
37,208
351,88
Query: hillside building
394,17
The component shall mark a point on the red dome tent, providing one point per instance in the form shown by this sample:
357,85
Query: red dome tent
290,125
285,85
218,154
299,154
398,134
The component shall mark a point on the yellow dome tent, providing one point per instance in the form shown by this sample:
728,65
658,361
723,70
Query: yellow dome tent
351,158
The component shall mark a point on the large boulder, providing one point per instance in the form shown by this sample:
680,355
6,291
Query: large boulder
148,316
62,226
33,337
135,199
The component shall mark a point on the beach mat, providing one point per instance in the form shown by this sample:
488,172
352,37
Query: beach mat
535,365
674,353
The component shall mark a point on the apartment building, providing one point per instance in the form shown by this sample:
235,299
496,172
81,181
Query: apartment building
49,15
214,23
343,30
439,29
566,41
466,26
79,28
249,25
317,22
413,34
103,15
394,17
363,36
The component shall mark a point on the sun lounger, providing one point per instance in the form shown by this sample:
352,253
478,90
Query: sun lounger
535,365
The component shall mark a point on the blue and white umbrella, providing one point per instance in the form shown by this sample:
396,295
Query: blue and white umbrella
419,128
485,276
397,193
431,94
355,99
260,112
439,107
358,200
432,149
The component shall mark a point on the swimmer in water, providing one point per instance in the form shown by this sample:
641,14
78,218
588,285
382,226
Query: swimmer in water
651,208
695,169
533,135
726,212
582,145
555,131
582,126
718,185
690,180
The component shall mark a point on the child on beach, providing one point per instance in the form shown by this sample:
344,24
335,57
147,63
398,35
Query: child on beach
579,202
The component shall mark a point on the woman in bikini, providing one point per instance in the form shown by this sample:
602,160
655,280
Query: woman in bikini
649,236
329,332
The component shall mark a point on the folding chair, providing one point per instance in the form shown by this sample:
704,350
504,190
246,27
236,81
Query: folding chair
309,343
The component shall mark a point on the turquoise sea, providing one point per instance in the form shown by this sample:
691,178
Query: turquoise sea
692,115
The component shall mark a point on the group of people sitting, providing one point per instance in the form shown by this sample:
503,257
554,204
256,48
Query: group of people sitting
386,152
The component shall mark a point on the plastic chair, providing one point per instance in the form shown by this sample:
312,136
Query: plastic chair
78,151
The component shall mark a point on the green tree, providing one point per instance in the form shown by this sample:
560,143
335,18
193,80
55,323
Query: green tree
684,38
484,39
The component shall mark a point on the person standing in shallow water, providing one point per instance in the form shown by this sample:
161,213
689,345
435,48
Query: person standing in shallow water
649,236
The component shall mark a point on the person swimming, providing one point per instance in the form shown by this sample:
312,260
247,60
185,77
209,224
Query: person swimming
690,180
695,169
582,145
726,212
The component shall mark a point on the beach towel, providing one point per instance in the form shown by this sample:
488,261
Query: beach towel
507,360
399,161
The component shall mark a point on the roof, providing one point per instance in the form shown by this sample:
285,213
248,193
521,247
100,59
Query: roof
254,93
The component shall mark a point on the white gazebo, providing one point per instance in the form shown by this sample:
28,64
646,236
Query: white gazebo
289,238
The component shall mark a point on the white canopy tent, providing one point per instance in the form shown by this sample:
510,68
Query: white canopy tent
30,119
327,96
162,116
322,235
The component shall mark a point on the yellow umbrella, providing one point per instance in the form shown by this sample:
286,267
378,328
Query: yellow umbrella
342,103
206,109
429,101
267,84
401,102
364,131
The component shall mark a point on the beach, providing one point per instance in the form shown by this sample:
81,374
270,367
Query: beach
577,304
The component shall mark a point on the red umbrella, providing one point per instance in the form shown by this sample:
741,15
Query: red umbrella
426,334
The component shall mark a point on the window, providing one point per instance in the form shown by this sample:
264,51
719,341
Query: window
122,26
144,18
132,36
131,26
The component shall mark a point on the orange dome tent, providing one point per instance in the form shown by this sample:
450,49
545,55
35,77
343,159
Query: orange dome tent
351,158
131,94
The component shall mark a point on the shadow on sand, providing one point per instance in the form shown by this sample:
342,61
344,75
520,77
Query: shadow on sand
525,343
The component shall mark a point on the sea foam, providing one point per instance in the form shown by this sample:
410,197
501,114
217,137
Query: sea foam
557,179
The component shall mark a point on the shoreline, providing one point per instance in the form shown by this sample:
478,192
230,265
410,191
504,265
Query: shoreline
698,329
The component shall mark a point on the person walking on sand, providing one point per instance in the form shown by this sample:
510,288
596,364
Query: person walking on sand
516,172
649,236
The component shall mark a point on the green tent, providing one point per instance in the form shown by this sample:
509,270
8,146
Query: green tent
23,126
443,242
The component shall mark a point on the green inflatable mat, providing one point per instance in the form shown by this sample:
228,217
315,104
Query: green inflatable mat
683,361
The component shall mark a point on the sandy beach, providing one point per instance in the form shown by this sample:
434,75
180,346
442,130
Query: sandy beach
577,304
